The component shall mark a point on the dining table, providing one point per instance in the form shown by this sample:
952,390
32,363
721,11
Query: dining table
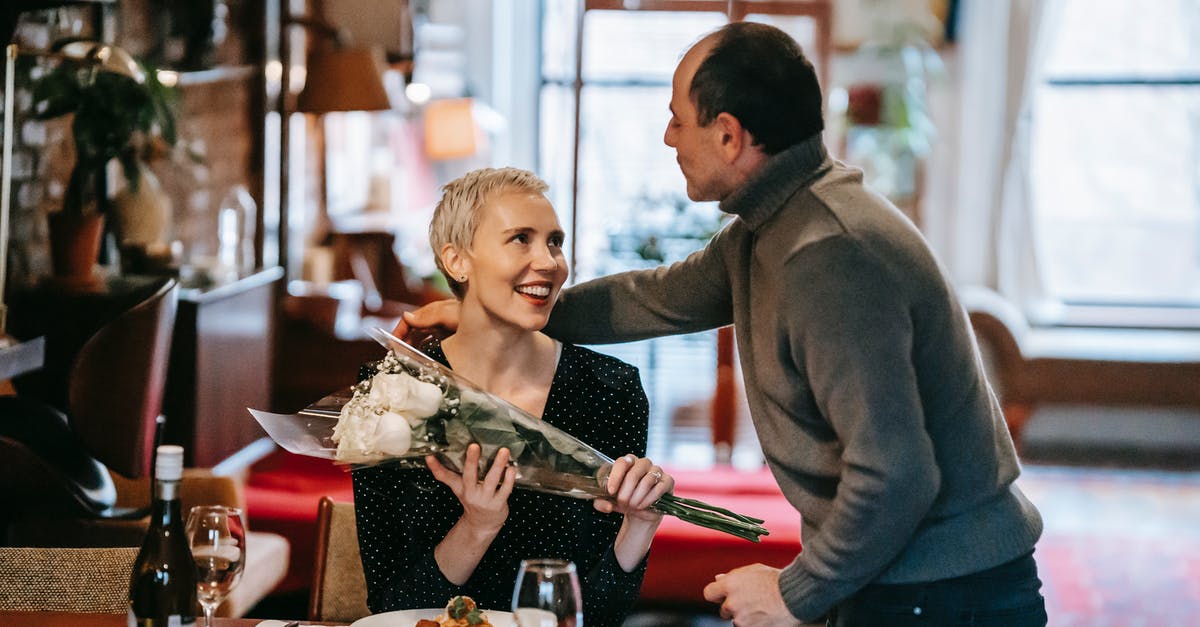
73,619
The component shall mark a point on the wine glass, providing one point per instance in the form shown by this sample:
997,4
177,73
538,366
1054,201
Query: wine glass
547,595
217,536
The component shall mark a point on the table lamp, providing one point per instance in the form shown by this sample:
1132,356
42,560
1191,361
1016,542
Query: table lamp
339,77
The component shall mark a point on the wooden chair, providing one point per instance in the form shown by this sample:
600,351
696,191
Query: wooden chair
65,580
339,588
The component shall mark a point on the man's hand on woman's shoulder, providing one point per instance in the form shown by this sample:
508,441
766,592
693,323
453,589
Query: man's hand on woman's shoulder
437,319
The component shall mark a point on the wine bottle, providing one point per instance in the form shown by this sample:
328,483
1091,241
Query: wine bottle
162,587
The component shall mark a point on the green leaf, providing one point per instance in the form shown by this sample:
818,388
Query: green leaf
494,434
458,436
114,116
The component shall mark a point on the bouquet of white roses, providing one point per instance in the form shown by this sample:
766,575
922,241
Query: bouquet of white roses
412,406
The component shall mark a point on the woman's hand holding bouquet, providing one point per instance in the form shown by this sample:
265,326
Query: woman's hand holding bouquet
485,503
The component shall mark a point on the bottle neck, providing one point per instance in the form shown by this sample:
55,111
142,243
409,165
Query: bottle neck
166,509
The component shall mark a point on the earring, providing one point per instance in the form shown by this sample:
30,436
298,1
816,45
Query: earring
462,278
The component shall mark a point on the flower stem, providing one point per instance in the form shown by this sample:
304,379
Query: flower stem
716,518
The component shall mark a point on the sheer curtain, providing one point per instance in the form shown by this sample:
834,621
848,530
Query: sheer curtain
987,237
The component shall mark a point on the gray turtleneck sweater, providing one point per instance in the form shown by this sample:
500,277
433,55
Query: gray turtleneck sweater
864,381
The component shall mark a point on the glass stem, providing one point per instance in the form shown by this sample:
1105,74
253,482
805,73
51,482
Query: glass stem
208,613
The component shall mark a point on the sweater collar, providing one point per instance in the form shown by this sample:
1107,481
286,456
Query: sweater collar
780,177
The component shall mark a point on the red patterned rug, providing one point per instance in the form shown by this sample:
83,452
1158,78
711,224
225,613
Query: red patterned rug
1121,547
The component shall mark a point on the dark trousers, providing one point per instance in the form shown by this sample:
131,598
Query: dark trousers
1005,596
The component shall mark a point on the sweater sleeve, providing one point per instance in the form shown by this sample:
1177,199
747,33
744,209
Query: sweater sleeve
852,334
684,297
400,569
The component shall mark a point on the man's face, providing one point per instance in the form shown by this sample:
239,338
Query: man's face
697,148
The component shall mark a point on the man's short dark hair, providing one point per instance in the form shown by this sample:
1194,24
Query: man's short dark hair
758,74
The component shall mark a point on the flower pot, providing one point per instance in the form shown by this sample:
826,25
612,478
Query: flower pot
143,216
75,245
142,219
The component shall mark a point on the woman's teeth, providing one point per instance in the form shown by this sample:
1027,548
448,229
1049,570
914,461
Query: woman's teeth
537,291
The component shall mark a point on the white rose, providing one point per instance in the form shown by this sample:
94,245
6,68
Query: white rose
354,430
393,435
403,394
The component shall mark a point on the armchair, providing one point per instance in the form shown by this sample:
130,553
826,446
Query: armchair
54,459
1091,366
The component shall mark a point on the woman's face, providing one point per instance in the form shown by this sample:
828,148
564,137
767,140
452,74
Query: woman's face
516,268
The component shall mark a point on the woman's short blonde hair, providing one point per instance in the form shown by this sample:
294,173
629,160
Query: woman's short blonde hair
457,214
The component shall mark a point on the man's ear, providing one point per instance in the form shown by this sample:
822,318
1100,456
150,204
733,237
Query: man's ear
734,138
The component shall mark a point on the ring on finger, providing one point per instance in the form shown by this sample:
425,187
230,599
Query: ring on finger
657,474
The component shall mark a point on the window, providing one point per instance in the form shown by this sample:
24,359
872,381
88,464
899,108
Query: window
629,184
1116,156
632,209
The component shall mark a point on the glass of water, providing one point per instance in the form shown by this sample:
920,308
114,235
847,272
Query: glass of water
547,594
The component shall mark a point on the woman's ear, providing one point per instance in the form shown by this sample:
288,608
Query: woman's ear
456,262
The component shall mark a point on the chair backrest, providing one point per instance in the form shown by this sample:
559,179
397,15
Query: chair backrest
339,588
65,580
116,387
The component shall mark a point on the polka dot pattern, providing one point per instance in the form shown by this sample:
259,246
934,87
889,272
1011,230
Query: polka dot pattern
402,514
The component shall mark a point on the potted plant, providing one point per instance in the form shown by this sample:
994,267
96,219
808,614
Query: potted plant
119,110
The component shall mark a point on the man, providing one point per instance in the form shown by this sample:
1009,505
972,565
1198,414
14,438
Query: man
862,374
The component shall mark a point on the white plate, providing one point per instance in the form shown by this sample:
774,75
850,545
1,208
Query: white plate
408,618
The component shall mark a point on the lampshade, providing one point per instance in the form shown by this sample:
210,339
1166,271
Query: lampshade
342,79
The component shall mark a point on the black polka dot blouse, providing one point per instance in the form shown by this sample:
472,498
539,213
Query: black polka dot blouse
403,514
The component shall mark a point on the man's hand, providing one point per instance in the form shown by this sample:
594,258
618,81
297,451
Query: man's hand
749,596
437,319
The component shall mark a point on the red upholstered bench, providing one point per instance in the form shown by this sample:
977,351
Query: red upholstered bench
282,493
685,558
283,490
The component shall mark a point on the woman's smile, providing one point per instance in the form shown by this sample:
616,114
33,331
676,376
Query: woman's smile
537,293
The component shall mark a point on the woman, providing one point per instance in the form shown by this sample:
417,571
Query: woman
427,535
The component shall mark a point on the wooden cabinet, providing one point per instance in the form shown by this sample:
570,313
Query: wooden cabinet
221,364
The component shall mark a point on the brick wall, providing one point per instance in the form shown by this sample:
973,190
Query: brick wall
218,117
42,151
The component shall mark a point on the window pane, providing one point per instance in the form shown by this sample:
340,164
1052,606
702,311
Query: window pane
1123,37
556,157
630,186
619,45
640,45
1117,193
558,39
